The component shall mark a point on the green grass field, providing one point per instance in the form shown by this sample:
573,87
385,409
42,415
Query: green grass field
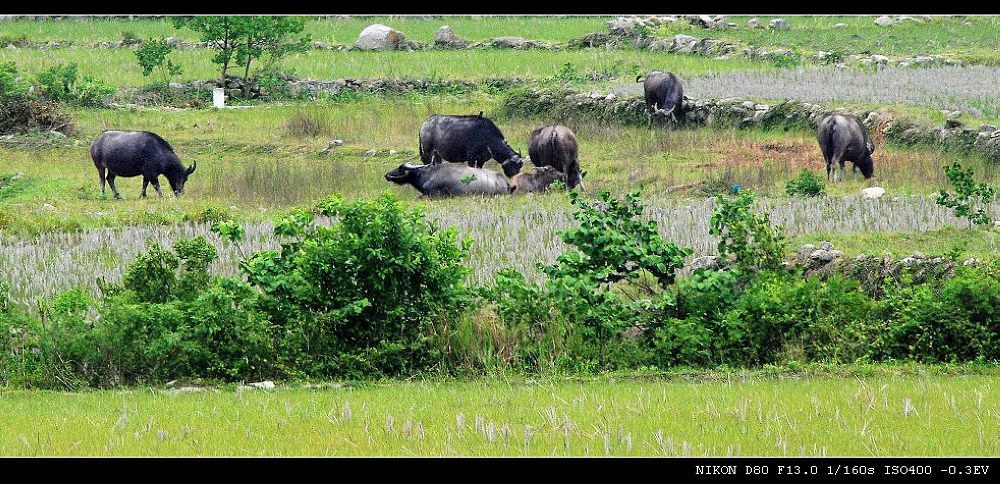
884,414
975,42
249,160
328,30
119,66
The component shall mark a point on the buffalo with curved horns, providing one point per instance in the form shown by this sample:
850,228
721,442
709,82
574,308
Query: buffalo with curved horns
844,138
134,153
664,94
466,139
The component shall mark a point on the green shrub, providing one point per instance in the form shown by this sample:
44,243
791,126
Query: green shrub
807,184
379,277
152,55
11,84
60,83
964,200
748,241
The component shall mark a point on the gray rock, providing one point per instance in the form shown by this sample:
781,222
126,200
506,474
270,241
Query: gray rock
509,42
379,37
906,19
370,153
266,384
839,26
445,37
825,255
987,128
826,246
779,23
885,21
873,193
685,43
705,262
971,262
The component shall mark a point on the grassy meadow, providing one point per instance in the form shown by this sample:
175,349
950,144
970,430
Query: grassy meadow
730,415
58,232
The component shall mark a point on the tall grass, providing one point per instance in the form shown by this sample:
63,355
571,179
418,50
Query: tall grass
734,415
505,233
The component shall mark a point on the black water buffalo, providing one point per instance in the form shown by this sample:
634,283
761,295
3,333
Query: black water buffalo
537,181
844,138
556,146
470,139
447,179
134,153
664,94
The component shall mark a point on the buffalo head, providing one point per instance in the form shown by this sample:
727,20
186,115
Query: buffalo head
401,175
177,181
512,166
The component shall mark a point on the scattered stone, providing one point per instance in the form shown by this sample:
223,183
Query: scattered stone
873,193
445,37
971,262
379,37
884,21
392,152
839,26
509,42
266,384
705,262
370,153
906,19
779,23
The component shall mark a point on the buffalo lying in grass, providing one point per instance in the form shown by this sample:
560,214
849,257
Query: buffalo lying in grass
844,138
537,181
134,153
466,139
446,179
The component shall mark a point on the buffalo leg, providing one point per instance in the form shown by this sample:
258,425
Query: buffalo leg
843,172
111,182
145,183
156,185
101,174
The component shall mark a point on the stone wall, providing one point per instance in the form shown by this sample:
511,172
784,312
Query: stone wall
569,103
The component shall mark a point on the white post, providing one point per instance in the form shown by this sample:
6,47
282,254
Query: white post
219,97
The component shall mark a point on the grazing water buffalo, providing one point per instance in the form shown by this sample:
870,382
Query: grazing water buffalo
556,146
845,138
134,153
664,94
537,181
471,139
446,179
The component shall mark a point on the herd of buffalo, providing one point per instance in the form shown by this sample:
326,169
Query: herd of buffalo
454,149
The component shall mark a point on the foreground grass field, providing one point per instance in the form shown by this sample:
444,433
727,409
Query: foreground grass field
883,414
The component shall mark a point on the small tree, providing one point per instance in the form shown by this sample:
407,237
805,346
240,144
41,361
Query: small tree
964,201
153,56
222,32
267,35
747,240
10,84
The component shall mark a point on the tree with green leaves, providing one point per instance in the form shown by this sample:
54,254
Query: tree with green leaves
964,200
223,33
152,55
244,39
268,35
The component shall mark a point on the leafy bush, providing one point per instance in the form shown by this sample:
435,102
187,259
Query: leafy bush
964,200
60,83
748,241
807,184
152,55
365,290
11,85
